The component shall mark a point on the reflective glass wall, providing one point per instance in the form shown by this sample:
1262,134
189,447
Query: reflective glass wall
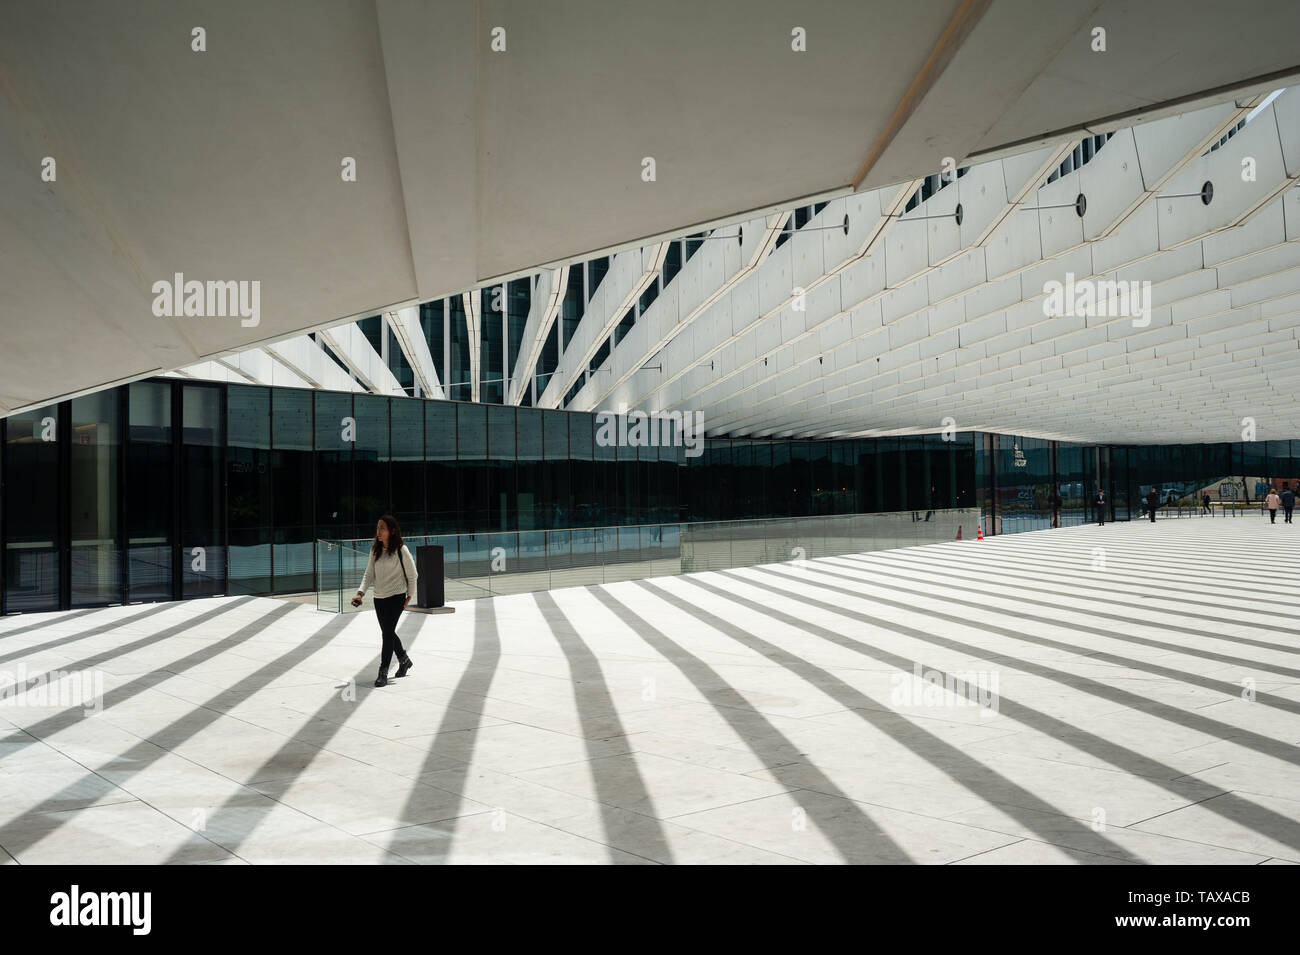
167,488
117,496
33,523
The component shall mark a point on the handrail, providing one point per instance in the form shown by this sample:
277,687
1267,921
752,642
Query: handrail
635,551
602,527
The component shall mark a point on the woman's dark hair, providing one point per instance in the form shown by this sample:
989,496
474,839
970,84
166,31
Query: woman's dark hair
394,538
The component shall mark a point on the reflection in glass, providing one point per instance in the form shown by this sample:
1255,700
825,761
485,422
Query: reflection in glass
202,547
149,491
31,515
96,545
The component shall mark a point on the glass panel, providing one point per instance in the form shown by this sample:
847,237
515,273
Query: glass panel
501,488
371,492
556,506
203,550
407,467
572,305
471,467
605,470
291,463
248,488
582,470
821,478
518,303
335,432
96,545
529,471
31,511
431,324
458,383
149,491
491,344
440,466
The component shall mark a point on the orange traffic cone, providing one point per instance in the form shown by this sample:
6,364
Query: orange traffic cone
980,534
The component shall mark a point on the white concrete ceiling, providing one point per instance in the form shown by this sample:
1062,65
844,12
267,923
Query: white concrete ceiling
913,323
474,165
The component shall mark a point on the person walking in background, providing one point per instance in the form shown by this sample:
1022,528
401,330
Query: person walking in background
1153,502
1288,502
1054,502
1205,503
392,571
1271,502
1102,504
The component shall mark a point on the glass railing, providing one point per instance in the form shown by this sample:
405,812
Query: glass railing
511,562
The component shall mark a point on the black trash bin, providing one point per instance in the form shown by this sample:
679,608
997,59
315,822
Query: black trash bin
429,592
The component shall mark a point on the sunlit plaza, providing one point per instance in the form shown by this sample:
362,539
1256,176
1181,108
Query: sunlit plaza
1095,695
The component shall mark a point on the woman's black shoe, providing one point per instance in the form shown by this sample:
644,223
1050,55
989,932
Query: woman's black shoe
404,665
382,679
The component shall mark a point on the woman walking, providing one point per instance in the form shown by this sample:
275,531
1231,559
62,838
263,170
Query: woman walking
1272,502
392,571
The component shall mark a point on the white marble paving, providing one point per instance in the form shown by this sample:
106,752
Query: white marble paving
1141,705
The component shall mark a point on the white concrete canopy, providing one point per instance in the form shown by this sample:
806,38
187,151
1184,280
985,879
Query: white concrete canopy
474,164
912,321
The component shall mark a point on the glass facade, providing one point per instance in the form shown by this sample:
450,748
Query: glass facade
150,471
202,495
164,488
94,524
33,522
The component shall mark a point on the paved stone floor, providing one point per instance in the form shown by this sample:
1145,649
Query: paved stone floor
1126,694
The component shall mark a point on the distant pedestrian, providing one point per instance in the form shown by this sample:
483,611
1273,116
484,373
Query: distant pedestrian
1102,504
1205,503
1153,502
1288,502
1271,502
1054,502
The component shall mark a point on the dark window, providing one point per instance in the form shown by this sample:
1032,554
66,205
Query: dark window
202,544
472,468
248,489
572,307
672,261
596,270
440,467
96,542
625,326
372,493
458,371
556,506
529,470
431,325
519,300
31,510
149,491
649,295
335,432
549,359
502,487
491,345
292,477
407,468
372,328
